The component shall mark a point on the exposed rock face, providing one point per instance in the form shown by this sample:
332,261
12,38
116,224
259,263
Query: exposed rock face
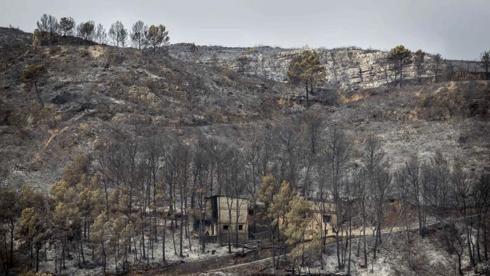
347,68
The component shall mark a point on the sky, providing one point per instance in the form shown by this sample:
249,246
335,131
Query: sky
457,29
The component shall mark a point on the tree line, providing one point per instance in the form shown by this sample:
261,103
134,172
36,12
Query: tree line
137,196
399,57
139,35
434,193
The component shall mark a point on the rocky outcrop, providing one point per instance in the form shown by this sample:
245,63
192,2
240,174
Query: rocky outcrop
347,68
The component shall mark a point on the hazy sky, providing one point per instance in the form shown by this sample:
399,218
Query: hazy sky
454,28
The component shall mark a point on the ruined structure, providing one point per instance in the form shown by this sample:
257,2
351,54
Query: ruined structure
226,218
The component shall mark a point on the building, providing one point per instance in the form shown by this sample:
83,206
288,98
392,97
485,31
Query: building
225,217
323,219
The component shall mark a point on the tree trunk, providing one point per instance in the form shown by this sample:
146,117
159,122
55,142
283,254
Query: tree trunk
115,258
478,255
273,251
307,95
375,247
485,240
81,251
104,257
459,265
349,238
135,250
324,238
155,230
55,259
37,258
311,88
11,253
63,253
163,238
181,228
143,236
470,247
187,234
364,243
401,73
38,95
201,233
106,197
236,222
419,215
302,250
173,226
5,265
337,241
229,227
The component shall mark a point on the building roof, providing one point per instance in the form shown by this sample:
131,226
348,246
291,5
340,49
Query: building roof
216,196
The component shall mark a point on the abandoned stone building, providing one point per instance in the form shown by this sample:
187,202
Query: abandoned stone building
225,217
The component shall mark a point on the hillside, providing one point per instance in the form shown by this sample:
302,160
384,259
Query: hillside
94,94
127,148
